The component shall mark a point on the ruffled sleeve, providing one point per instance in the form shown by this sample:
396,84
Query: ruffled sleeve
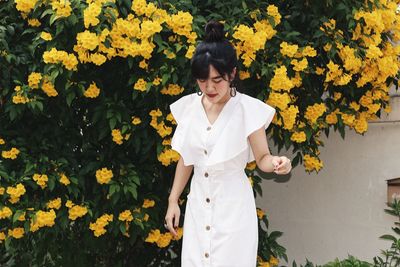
256,114
181,111
249,115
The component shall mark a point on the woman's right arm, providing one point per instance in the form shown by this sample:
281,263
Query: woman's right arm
182,174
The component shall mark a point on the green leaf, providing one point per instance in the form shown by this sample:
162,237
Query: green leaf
112,123
16,215
133,191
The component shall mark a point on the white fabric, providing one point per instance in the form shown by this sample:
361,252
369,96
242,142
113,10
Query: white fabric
221,153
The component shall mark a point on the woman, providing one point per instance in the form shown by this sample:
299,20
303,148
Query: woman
219,130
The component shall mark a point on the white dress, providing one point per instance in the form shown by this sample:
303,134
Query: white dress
220,226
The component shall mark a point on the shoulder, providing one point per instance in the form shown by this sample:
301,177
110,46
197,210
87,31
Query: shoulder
180,106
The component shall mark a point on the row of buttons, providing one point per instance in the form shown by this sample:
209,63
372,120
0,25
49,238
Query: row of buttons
208,227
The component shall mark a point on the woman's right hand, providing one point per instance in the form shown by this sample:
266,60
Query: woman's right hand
172,217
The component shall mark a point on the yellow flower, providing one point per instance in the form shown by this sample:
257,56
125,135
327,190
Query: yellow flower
54,204
281,81
16,232
312,163
34,79
299,65
98,227
273,261
48,88
46,36
140,85
314,112
88,40
10,154
157,81
298,137
93,91
5,212
153,236
148,203
172,89
136,120
125,216
104,176
167,156
41,179
288,50
34,22
15,192
260,213
164,240
64,179
117,136
76,211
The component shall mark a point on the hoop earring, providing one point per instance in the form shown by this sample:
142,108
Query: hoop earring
233,91
198,92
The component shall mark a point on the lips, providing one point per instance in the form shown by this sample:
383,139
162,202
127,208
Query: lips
211,95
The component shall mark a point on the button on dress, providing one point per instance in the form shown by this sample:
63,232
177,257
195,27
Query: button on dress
220,227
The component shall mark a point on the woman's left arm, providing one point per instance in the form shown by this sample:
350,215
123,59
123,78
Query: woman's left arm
265,161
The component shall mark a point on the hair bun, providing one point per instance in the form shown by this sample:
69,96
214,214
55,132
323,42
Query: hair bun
214,31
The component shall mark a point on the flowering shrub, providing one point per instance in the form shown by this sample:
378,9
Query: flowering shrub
86,130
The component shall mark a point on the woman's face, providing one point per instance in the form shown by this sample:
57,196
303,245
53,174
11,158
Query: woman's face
215,88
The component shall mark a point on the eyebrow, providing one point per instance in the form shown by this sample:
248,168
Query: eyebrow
216,77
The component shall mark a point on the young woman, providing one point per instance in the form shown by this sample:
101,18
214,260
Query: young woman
219,130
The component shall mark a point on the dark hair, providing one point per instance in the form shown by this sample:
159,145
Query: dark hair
214,50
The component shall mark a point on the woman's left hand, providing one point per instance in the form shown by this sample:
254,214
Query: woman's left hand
284,166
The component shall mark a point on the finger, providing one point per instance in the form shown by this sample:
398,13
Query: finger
176,221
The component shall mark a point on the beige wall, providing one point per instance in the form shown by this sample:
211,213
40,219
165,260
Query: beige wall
340,210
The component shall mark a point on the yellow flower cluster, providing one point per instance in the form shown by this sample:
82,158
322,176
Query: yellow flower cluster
17,232
15,192
34,22
98,227
41,179
75,211
288,50
289,117
172,89
117,136
5,212
91,13
314,112
299,65
163,240
25,6
42,219
2,142
312,163
104,175
55,56
19,98
92,91
281,81
10,154
54,204
62,8
126,215
148,203
298,137
181,24
64,179
161,128
270,263
252,40
140,85
167,156
34,80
